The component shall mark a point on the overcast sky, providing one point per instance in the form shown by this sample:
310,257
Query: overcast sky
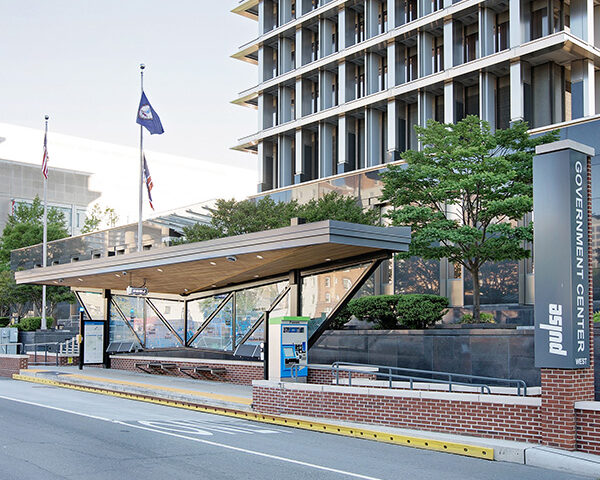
77,60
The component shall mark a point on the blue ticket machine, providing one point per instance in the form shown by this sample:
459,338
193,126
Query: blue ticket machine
288,348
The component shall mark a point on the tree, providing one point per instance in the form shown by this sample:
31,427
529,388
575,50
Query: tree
465,193
99,218
23,229
229,217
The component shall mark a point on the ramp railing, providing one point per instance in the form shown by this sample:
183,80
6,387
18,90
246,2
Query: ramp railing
413,376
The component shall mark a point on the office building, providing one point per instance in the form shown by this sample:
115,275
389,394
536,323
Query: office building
341,84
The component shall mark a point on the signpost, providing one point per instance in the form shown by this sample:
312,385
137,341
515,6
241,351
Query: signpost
560,196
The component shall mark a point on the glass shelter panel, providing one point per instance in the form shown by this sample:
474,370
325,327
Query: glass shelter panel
118,331
249,307
157,333
93,303
323,291
218,334
199,311
134,310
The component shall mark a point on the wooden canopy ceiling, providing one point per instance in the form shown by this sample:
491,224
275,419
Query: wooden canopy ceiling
203,266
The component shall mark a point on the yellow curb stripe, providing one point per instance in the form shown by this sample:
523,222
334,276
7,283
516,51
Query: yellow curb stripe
216,396
416,442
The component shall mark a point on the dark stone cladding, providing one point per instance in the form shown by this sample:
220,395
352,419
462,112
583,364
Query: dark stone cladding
498,352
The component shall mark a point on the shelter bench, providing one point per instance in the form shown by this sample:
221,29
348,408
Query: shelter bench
151,367
202,370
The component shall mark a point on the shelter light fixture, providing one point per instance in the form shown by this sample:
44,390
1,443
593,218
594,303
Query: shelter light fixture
80,279
117,275
328,259
213,263
256,276
159,270
232,258
61,280
185,290
213,285
260,257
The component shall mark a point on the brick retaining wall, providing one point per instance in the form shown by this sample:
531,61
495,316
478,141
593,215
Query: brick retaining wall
588,426
11,364
493,416
238,372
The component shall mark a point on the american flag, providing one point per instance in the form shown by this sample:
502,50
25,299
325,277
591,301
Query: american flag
149,183
45,160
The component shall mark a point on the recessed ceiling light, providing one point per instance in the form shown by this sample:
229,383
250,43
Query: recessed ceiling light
328,259
159,270
213,263
80,279
117,275
260,257
185,290
256,276
213,286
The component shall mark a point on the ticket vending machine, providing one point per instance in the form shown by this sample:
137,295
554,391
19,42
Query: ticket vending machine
288,348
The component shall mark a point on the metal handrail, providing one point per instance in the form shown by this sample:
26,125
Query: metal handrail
5,345
45,352
451,380
450,377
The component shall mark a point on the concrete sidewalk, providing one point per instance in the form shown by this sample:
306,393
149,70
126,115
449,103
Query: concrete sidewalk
236,400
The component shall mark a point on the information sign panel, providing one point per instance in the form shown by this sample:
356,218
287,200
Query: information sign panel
93,342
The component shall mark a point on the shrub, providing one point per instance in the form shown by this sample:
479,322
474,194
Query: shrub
597,317
341,319
4,321
379,309
31,324
421,311
484,317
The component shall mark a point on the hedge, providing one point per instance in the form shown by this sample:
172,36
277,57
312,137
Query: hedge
387,312
4,321
31,324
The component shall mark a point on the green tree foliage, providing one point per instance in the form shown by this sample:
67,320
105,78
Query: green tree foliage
464,193
235,218
23,229
99,218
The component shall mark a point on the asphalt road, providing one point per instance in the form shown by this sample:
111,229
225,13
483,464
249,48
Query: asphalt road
49,433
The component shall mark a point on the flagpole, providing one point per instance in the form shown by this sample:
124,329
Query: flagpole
141,192
44,325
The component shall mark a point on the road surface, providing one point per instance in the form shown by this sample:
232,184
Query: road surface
49,433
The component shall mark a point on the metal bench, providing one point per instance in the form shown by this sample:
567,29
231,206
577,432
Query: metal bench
152,367
202,370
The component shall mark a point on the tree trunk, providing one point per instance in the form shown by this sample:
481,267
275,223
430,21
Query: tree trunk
476,296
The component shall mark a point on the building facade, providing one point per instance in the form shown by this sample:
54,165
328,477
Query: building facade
68,191
341,85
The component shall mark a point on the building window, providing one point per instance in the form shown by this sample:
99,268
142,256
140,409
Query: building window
382,18
438,5
439,109
438,54
359,27
470,52
328,281
411,10
412,67
501,32
539,19
327,297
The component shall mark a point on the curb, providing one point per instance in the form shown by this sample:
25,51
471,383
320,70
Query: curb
467,450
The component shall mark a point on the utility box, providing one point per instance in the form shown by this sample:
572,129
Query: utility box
9,336
288,348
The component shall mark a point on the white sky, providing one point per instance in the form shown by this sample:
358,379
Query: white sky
77,60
